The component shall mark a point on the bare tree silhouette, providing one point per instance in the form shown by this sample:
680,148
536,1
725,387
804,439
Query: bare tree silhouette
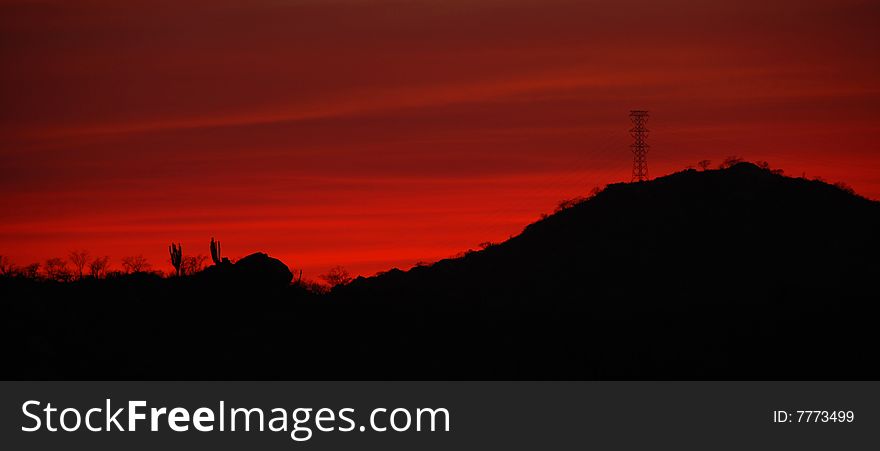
79,259
192,264
766,166
135,264
56,269
31,271
704,164
313,286
337,275
7,268
568,203
98,267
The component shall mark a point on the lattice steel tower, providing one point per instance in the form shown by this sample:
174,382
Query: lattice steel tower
640,145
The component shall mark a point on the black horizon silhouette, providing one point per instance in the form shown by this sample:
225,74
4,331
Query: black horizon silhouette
738,273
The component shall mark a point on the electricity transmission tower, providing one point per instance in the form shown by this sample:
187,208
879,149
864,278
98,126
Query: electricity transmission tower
639,147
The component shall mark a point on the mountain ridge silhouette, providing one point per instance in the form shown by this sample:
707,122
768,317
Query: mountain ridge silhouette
738,273
631,226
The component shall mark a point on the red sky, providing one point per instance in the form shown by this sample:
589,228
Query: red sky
379,133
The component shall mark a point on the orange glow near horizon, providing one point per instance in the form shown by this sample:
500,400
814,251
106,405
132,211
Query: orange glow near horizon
375,134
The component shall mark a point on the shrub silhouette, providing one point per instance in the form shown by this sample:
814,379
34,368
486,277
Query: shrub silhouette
136,264
337,275
31,271
79,259
98,267
730,162
7,268
193,264
56,269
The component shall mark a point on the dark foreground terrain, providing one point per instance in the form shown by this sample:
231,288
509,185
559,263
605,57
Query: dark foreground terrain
730,274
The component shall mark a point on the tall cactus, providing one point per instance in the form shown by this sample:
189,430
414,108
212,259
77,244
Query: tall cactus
215,251
176,252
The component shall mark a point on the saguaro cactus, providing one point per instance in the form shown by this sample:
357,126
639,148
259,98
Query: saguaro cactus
176,252
215,251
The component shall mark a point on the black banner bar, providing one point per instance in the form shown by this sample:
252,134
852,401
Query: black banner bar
464,415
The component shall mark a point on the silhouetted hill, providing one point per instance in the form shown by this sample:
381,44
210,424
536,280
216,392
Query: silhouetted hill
722,274
743,231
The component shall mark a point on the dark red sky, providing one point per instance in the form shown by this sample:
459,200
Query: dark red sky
380,133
